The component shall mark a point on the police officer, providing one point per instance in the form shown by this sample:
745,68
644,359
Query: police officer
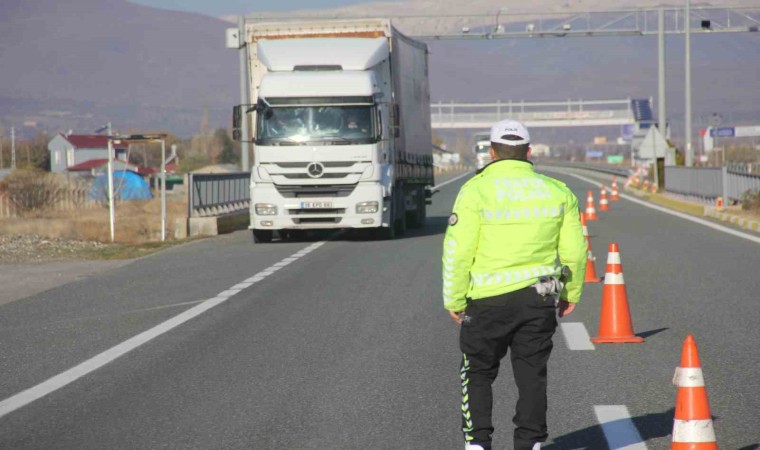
511,233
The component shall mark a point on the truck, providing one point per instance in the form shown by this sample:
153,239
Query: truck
339,113
482,142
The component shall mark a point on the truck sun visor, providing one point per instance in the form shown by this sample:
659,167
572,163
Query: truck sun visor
348,53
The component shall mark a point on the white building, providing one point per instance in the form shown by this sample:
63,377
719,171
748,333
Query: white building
73,149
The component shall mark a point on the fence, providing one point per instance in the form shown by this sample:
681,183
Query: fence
218,193
710,183
69,200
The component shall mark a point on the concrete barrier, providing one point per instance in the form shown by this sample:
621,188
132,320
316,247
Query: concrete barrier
214,225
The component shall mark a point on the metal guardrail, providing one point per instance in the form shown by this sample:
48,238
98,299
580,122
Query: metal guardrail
215,194
700,183
710,183
620,171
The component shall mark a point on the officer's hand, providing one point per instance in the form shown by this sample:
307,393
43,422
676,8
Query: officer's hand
457,316
565,308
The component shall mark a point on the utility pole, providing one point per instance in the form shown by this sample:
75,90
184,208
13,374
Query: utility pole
687,85
13,148
163,190
243,95
660,87
111,211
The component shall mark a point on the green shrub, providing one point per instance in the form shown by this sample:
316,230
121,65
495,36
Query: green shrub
751,201
32,189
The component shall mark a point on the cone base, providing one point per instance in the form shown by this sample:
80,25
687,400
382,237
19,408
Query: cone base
694,446
618,340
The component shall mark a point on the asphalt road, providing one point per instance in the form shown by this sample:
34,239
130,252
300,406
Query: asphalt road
348,346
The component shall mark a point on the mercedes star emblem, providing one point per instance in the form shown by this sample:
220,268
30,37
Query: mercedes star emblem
315,169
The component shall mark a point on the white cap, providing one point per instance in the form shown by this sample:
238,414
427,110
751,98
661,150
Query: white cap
506,127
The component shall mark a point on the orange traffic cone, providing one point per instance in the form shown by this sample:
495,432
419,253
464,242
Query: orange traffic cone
603,203
590,208
614,195
615,325
590,269
584,226
692,425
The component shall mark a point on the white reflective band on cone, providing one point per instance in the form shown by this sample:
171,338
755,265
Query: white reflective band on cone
688,377
613,278
613,258
693,431
585,231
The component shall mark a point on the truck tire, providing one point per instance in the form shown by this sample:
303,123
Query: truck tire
416,218
262,236
399,206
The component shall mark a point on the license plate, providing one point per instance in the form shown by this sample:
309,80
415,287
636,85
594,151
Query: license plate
316,205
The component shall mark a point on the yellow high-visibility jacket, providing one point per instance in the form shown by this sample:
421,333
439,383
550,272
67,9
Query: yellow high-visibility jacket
509,227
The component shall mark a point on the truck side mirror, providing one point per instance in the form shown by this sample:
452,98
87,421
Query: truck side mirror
237,122
240,113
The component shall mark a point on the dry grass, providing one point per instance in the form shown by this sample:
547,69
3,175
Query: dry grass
137,222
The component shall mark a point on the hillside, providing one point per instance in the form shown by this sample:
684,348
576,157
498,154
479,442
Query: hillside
82,62
79,65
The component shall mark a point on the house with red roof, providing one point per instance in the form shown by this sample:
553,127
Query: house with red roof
95,167
70,150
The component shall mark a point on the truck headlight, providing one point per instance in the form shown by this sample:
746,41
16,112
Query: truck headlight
265,209
367,207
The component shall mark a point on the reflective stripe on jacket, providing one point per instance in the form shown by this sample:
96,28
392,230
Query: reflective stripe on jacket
509,227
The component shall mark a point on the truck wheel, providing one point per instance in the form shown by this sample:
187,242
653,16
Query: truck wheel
262,236
416,218
383,233
399,225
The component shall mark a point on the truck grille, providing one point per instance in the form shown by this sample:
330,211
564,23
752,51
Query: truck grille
341,190
302,165
317,220
315,211
303,176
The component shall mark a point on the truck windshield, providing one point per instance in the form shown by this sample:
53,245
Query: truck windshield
316,125
482,147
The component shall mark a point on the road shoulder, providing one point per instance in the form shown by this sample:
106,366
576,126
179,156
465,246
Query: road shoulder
18,281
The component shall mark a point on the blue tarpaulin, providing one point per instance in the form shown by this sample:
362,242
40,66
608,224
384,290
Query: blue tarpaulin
127,185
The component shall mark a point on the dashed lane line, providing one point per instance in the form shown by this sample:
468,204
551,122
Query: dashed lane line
59,381
706,223
618,428
576,336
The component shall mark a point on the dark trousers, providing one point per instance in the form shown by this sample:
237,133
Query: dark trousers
523,322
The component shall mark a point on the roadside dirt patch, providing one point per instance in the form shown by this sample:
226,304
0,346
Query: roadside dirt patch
33,248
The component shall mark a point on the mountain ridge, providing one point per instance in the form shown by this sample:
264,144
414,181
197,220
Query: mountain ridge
87,62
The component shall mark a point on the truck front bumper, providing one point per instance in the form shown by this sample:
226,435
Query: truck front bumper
312,213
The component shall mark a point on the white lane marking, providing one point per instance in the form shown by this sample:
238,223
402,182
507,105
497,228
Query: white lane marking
228,293
706,223
23,398
576,336
453,180
618,428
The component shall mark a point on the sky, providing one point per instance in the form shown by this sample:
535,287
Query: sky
219,8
